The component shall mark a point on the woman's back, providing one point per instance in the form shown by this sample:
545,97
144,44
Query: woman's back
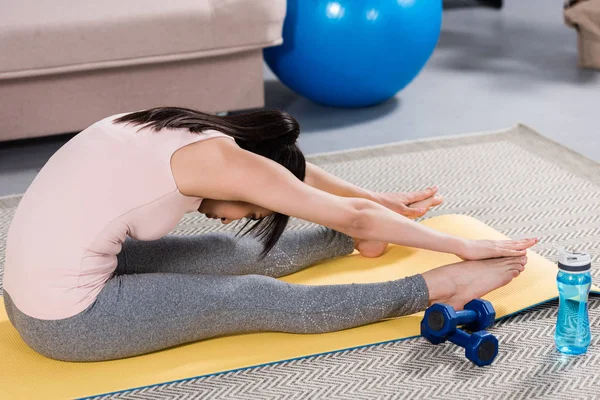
107,182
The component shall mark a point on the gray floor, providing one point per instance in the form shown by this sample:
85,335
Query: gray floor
491,70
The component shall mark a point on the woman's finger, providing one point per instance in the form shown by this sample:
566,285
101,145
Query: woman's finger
437,200
421,195
520,244
427,203
411,212
513,253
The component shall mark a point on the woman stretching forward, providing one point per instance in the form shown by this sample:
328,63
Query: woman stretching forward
78,288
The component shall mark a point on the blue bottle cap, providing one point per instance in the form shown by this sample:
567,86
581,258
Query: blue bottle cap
574,262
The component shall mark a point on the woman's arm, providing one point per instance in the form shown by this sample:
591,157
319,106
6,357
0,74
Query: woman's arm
412,205
220,170
323,180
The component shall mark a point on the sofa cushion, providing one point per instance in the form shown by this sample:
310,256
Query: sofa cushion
49,37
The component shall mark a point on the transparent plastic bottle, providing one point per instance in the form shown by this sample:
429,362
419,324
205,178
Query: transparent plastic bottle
572,335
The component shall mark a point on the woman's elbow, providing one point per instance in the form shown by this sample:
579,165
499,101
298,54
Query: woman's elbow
357,218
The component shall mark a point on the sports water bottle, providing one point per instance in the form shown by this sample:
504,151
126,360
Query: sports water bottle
572,335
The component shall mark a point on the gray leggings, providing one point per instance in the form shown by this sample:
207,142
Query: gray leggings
182,289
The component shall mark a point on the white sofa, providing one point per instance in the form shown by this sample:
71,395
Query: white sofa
65,64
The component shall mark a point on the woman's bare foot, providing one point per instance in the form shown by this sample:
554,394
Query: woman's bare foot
457,284
370,248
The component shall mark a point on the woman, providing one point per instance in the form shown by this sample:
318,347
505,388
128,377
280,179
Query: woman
76,289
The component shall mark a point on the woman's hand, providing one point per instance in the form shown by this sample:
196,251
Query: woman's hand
410,204
472,250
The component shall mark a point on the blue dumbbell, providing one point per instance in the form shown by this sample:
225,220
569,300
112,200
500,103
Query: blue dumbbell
440,324
441,320
481,347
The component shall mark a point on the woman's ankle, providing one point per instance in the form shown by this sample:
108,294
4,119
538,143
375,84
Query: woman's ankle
441,286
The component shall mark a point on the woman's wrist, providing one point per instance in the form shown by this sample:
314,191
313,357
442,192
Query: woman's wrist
457,246
370,195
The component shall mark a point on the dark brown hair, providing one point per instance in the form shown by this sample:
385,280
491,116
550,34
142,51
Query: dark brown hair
269,133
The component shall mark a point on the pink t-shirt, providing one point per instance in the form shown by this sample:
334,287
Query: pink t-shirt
108,182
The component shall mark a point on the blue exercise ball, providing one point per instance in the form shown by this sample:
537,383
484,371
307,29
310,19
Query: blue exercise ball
354,53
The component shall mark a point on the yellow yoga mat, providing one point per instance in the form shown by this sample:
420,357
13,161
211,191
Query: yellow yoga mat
26,375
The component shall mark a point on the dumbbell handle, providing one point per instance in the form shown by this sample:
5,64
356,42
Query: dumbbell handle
465,317
460,338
